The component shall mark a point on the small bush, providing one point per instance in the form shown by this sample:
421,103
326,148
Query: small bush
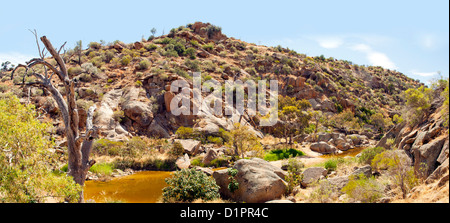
324,192
331,165
215,140
233,185
138,83
279,154
191,53
368,154
102,168
125,60
194,65
219,162
194,43
118,116
143,65
361,188
95,45
208,47
188,185
151,47
176,150
73,71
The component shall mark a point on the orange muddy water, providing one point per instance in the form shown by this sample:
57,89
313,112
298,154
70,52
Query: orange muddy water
141,187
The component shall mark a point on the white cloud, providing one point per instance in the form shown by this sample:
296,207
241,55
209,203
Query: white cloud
374,57
380,59
330,42
15,58
423,74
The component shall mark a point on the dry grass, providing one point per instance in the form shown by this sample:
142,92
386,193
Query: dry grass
427,193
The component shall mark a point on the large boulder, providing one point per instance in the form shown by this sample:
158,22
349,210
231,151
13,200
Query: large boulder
259,181
323,137
323,147
211,154
156,129
338,182
183,162
427,155
312,175
358,139
190,146
139,112
364,170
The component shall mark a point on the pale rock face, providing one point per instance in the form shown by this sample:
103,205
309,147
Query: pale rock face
259,181
312,175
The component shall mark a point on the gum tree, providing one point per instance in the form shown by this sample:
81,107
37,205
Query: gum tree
79,145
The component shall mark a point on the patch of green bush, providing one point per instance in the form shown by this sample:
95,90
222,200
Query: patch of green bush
188,185
361,188
102,168
279,154
368,154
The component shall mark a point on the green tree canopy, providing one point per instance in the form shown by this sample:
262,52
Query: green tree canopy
26,162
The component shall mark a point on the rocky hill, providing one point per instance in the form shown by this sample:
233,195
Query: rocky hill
130,84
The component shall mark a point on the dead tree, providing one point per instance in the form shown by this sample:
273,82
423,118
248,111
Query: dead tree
79,146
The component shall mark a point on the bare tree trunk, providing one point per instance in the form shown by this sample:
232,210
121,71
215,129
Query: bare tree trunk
79,147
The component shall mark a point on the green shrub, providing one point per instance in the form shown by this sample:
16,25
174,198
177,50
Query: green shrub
188,185
215,140
233,185
143,64
191,52
398,169
368,154
184,132
219,162
125,60
279,154
102,168
361,188
194,43
194,65
170,51
212,29
166,40
73,71
176,150
151,47
208,47
138,83
331,165
95,45
197,162
28,173
118,116
129,149
417,101
293,178
180,48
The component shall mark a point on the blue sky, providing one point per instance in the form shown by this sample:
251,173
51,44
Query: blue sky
409,36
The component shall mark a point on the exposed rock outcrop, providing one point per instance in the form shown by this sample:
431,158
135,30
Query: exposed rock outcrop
259,181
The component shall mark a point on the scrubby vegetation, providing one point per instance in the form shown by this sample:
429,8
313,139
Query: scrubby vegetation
279,154
188,185
28,169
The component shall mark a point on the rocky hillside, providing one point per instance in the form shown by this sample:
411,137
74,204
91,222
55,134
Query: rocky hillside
129,82
360,106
